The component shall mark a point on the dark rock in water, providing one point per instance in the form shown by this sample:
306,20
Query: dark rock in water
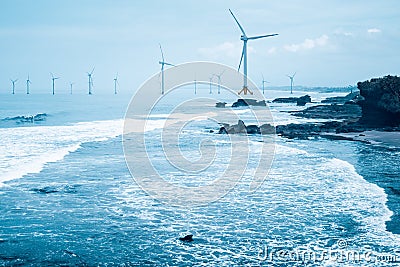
267,129
301,102
381,104
220,105
342,99
302,99
253,129
46,190
240,103
234,129
222,130
241,128
248,102
338,112
187,238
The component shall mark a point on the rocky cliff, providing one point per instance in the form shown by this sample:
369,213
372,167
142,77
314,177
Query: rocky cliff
381,106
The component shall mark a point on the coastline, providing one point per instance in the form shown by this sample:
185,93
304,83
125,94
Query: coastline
373,137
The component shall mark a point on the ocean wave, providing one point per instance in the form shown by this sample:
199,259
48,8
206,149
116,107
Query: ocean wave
27,119
27,150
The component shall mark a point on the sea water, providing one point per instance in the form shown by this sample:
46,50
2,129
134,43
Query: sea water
68,198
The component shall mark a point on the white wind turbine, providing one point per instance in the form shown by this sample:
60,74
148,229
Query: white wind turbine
263,83
115,83
219,80
90,80
53,80
28,82
291,82
163,63
70,87
13,85
244,38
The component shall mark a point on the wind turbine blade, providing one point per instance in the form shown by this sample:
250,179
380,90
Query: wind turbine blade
92,71
241,58
240,26
162,54
294,74
52,76
169,64
262,76
261,36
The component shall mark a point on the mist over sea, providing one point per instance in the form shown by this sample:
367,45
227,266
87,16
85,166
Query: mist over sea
68,198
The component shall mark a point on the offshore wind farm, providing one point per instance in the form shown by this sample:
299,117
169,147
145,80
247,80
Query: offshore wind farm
201,133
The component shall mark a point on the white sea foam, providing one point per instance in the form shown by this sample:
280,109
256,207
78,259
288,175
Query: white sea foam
26,150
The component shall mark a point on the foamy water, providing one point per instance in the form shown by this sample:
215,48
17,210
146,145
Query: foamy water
27,149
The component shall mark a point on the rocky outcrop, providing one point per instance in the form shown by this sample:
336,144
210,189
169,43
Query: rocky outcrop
241,128
335,112
381,104
220,104
342,99
301,101
248,102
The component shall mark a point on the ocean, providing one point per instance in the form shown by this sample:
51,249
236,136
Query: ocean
68,197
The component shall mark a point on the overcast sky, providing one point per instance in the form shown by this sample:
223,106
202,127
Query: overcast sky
328,43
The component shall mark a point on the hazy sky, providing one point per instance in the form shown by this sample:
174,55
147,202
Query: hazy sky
328,43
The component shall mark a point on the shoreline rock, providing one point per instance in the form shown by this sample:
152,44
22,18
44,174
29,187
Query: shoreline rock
248,102
241,128
300,101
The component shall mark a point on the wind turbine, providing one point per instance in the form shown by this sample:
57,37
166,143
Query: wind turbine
195,87
53,79
163,63
291,82
70,87
28,82
244,38
211,84
13,85
219,80
90,81
263,83
115,84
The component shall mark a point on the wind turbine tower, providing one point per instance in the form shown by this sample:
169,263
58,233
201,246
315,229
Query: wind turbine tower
53,80
115,84
291,82
28,82
219,81
163,63
263,83
245,38
90,78
211,85
13,85
70,87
